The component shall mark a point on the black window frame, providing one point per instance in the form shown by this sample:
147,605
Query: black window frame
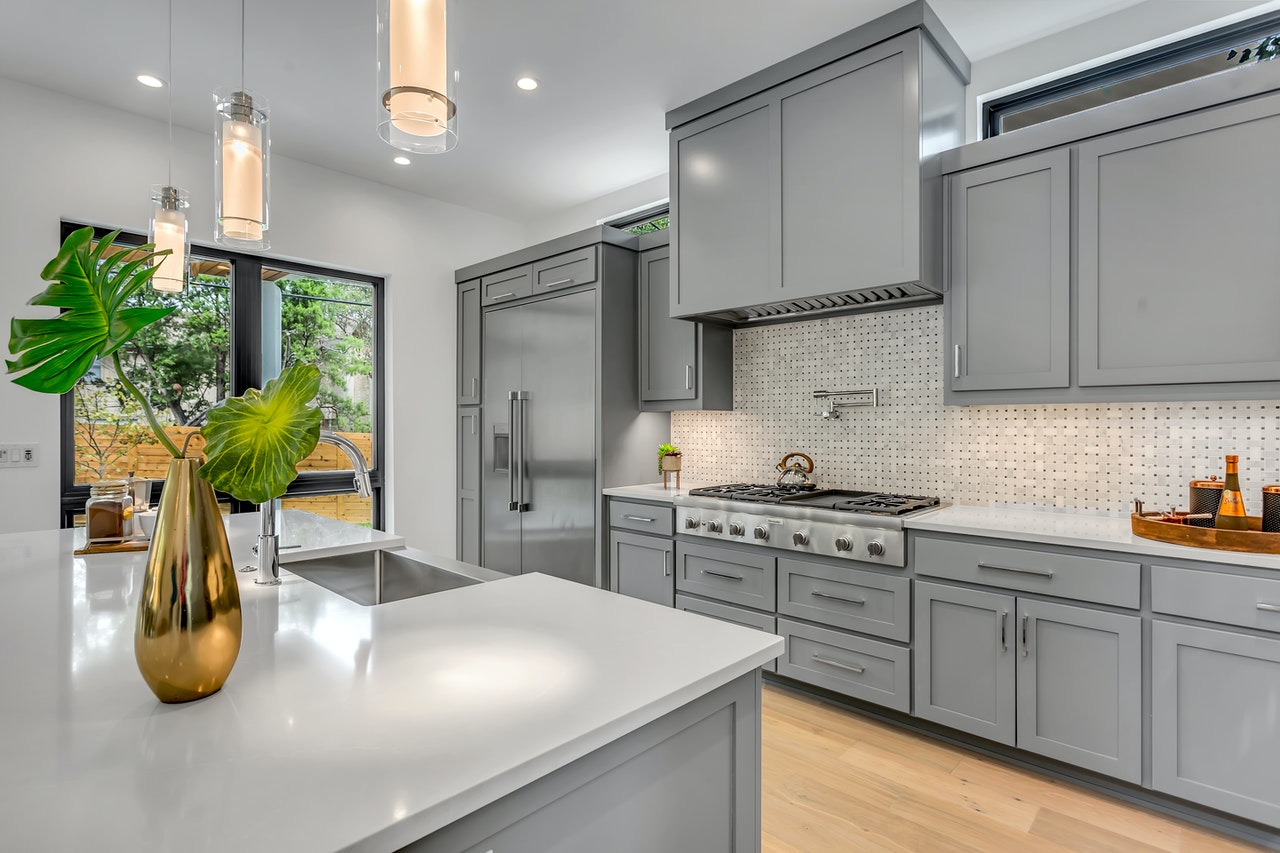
246,372
1165,56
648,214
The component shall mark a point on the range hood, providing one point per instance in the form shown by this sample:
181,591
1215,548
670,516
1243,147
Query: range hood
867,299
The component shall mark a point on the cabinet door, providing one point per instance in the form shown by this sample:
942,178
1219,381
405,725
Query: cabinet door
668,347
1080,687
469,485
1009,265
851,172
964,674
1214,737
723,197
469,343
1177,250
641,567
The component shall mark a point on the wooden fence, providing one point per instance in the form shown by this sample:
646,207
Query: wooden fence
152,460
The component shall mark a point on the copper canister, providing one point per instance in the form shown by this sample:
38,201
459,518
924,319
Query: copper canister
1206,495
1271,509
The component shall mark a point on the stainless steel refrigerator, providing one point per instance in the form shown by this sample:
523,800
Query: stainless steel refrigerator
540,489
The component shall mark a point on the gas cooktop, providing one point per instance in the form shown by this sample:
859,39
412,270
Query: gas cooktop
841,500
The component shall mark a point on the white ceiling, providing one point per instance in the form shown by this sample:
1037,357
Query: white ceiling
609,71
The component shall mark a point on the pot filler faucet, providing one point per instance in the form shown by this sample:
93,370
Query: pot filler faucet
268,547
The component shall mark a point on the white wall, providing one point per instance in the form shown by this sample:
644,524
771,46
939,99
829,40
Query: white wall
63,158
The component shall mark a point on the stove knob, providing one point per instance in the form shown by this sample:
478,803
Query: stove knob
843,544
736,528
875,548
761,533
691,523
800,537
713,527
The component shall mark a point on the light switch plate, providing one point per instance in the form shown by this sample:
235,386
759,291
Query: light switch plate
25,455
6,454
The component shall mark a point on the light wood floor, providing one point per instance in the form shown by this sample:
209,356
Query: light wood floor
836,781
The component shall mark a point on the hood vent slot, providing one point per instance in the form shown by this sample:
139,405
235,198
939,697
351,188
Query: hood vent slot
870,299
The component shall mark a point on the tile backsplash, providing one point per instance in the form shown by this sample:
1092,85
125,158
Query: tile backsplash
1091,457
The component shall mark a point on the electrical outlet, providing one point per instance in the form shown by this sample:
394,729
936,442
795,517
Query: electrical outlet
25,455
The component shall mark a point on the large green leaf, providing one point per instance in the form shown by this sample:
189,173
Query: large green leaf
255,442
57,351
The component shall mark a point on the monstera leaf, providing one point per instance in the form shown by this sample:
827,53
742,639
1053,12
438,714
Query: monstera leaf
57,351
255,442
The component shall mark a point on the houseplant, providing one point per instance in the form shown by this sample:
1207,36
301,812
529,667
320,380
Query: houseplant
669,458
187,634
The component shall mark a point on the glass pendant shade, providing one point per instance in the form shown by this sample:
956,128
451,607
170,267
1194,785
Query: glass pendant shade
169,231
417,76
242,169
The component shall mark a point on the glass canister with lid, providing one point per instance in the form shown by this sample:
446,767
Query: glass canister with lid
108,513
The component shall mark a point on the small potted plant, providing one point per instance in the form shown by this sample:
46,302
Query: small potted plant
669,459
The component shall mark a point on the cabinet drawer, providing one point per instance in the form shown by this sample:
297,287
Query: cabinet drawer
567,270
647,518
855,666
1065,575
506,285
1215,597
729,613
734,576
846,598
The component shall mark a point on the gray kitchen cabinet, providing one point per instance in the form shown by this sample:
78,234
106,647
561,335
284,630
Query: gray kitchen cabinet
724,173
737,577
1176,234
1009,300
506,285
1054,679
569,269
736,615
468,546
683,365
1214,738
856,666
641,566
469,337
792,197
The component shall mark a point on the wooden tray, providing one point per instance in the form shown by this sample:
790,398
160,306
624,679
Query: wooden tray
114,547
1251,541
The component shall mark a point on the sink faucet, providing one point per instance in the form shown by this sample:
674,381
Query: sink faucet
268,547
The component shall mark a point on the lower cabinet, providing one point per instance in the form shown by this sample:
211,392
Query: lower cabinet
856,666
1215,699
736,615
1058,680
641,566
468,546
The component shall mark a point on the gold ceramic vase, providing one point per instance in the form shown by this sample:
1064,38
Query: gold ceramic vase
187,635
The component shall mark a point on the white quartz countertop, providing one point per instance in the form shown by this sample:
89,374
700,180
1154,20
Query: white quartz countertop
341,727
651,491
307,536
1077,529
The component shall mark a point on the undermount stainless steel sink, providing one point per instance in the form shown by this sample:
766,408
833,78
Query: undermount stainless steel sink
377,577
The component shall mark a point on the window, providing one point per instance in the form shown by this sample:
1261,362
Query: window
238,323
1167,65
643,221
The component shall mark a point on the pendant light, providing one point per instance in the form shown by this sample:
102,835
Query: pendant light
168,229
417,76
241,163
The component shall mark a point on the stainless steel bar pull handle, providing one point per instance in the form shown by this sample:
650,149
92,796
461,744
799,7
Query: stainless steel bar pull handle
666,564
568,280
724,575
955,359
1004,634
475,386
1273,608
858,601
523,399
638,518
688,377
512,504
839,665
502,296
1043,573
1025,619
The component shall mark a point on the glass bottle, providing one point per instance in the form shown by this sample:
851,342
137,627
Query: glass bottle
1231,515
108,513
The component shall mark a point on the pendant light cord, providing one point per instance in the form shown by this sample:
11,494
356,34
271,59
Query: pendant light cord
169,61
241,45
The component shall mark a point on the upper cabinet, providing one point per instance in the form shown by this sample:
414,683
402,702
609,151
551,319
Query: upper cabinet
1129,263
805,188
683,365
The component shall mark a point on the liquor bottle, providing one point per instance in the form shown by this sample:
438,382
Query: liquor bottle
1231,511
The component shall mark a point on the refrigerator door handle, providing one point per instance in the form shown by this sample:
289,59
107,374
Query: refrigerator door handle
523,397
512,458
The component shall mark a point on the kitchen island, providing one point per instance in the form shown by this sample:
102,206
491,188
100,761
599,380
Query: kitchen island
507,713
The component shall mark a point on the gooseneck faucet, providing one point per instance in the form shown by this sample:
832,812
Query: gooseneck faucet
268,548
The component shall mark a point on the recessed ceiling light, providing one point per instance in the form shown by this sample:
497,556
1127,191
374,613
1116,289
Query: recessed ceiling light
527,83
150,80
402,161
